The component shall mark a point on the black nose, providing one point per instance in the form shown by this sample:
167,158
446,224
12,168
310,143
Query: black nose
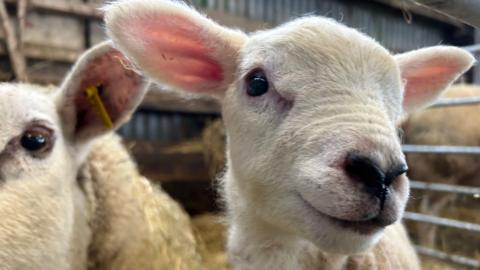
367,171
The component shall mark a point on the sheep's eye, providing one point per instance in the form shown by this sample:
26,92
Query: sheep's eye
37,141
257,83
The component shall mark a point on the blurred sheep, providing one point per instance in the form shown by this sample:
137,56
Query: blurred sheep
71,197
450,125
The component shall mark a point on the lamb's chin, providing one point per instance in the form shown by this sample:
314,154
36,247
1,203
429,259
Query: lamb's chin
334,236
338,240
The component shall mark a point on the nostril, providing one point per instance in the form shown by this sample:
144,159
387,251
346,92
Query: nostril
395,172
367,171
364,169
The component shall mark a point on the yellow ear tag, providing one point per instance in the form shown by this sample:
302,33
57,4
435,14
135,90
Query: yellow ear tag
96,101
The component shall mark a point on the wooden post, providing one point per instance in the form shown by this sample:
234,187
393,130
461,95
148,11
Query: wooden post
467,11
66,7
17,59
21,15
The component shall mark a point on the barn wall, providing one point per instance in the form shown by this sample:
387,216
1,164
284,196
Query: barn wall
169,127
387,25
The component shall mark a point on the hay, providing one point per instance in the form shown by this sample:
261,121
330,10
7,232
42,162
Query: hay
214,140
186,147
434,264
212,230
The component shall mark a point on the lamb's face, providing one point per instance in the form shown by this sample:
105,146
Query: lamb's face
333,98
30,133
310,113
35,180
44,141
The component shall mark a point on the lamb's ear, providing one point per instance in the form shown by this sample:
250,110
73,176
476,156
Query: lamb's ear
119,89
175,45
428,72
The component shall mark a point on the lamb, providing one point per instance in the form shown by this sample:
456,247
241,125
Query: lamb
71,196
443,126
315,175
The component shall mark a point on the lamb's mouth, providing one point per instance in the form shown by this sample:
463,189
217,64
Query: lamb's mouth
369,226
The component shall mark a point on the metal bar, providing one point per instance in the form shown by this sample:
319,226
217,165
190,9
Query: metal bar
446,222
463,10
448,257
472,48
441,149
409,6
456,102
464,190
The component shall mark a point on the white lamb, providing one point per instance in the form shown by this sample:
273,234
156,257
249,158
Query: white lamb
315,174
73,199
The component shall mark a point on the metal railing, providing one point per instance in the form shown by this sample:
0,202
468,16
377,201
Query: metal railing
439,187
447,188
441,149
456,259
472,48
446,222
456,101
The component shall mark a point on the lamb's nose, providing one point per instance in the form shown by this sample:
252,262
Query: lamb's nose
367,171
364,169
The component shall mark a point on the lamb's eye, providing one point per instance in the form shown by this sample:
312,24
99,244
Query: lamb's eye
257,83
37,141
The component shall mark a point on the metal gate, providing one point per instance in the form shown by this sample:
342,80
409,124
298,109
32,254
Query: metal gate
416,184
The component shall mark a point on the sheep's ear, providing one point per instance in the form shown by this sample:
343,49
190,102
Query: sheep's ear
175,45
428,72
119,90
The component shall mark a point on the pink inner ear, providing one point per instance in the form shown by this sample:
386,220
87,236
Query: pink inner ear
175,50
426,81
118,87
431,71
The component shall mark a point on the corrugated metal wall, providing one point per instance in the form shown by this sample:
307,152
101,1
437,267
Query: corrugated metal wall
386,25
164,126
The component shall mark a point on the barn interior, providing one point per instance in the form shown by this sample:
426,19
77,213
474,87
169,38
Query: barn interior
178,141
